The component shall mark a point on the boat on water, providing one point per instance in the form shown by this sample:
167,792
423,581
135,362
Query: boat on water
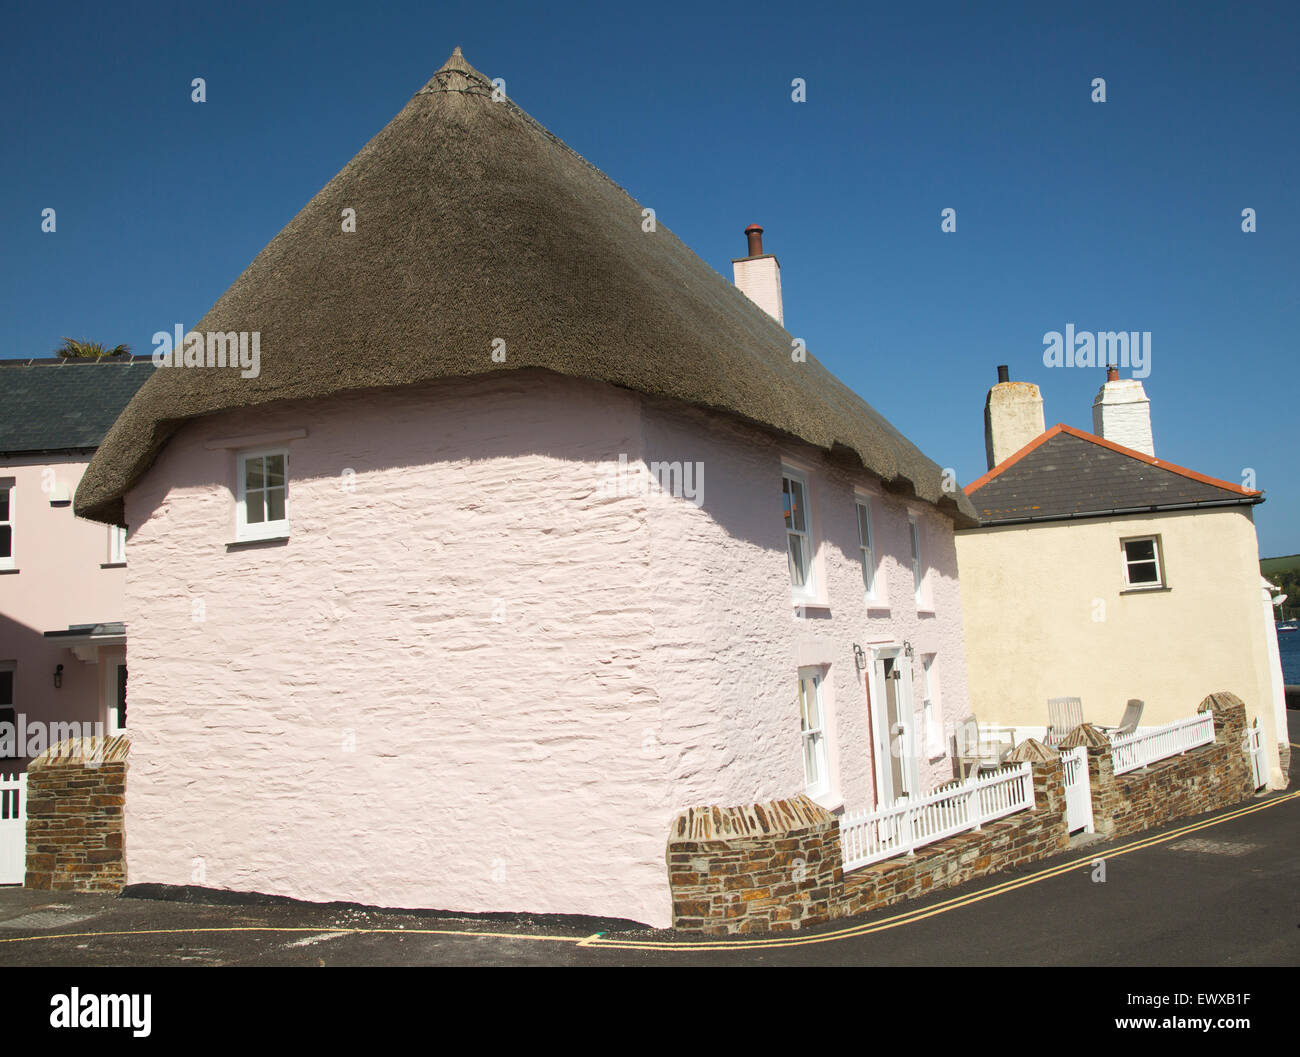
1288,625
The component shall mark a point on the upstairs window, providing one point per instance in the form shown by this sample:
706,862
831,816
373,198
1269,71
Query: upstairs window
116,545
918,570
798,533
816,772
867,545
6,523
1142,564
262,500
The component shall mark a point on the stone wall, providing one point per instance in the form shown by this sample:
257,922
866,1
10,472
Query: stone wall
765,867
1205,779
778,866
76,792
1009,842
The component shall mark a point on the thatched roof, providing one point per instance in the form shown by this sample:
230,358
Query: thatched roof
473,223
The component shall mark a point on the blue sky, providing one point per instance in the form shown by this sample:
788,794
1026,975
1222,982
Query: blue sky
1123,215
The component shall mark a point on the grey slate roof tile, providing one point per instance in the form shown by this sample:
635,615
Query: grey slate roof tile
1074,474
57,405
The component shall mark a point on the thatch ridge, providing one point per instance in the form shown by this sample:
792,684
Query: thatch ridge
472,225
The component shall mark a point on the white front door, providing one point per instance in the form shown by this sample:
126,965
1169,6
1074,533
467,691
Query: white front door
891,724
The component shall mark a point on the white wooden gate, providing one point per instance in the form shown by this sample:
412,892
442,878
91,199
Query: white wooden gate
1078,790
1258,759
13,828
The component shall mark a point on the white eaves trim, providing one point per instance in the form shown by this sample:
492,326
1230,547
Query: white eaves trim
255,440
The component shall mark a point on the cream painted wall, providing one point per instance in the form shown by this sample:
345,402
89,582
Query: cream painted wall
482,674
1047,614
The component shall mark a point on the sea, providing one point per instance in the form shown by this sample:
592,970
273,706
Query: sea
1288,644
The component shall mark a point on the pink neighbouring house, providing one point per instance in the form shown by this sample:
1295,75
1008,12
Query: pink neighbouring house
485,575
62,578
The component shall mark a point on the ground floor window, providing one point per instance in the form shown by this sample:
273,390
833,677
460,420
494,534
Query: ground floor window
816,771
931,709
8,714
117,700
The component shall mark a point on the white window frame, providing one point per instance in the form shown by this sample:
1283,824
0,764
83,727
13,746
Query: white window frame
116,545
111,725
7,485
867,548
266,529
9,706
932,707
817,735
1159,581
918,560
807,592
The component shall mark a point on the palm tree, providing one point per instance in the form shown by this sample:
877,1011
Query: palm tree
88,350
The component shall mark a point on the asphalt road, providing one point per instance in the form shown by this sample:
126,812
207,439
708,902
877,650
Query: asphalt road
1216,890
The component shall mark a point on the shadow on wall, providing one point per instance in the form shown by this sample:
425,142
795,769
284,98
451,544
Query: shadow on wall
405,447
35,696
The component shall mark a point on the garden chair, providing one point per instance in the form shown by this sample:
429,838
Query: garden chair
1132,717
975,752
1063,715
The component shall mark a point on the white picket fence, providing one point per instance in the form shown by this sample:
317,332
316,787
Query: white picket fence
1258,760
1143,747
900,828
13,828
1078,790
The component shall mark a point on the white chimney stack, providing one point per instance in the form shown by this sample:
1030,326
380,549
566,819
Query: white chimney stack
1013,416
758,276
1121,413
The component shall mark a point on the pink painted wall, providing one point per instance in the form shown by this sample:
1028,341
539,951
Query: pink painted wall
480,678
729,638
59,582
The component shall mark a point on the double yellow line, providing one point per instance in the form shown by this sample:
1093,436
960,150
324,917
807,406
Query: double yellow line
944,907
600,941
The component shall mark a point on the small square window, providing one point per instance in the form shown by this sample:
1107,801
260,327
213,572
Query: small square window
262,499
1143,567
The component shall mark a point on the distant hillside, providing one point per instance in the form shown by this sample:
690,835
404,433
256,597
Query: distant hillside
1285,572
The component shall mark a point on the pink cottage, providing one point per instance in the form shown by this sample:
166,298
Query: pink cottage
484,576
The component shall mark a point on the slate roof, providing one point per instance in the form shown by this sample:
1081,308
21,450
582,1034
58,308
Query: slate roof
53,405
1067,473
473,223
